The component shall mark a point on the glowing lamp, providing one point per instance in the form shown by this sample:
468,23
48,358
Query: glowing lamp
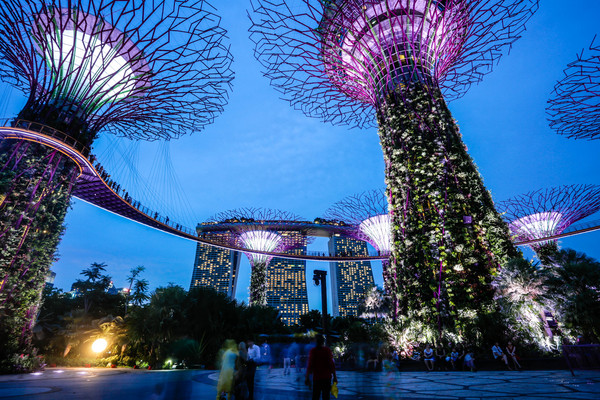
99,345
262,241
378,230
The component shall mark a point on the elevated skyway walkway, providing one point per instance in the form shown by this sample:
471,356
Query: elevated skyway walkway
92,188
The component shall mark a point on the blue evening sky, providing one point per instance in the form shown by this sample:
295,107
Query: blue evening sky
262,153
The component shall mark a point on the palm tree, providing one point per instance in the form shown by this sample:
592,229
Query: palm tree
574,286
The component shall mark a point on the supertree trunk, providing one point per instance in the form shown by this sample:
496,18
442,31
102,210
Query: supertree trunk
258,284
35,187
448,238
390,283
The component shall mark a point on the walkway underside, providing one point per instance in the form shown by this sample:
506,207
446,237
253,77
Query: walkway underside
92,189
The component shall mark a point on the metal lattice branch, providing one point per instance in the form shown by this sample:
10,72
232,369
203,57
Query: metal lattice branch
548,212
137,68
333,59
255,229
368,214
574,107
359,207
253,215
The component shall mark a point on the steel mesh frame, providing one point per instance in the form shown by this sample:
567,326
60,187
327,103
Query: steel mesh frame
573,202
176,48
574,106
289,47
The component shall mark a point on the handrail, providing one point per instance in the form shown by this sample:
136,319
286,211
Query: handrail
153,219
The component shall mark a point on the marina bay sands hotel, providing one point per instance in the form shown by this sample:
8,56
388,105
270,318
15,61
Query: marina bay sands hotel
348,281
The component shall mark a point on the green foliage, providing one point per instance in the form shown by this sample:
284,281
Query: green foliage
573,286
520,296
448,239
35,184
192,326
258,284
311,321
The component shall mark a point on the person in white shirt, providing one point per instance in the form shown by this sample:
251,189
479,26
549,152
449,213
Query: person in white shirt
499,354
253,360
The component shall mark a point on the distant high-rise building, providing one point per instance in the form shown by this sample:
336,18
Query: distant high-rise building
216,268
349,280
287,284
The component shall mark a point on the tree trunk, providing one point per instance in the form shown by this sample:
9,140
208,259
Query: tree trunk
35,187
448,239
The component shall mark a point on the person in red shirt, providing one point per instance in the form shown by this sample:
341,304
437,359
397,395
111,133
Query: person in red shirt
320,364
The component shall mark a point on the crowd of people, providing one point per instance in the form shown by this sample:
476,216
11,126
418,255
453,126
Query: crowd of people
459,357
316,361
238,368
239,363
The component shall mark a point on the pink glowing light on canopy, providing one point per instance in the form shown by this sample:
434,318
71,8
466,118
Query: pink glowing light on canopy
260,229
89,58
548,212
262,241
537,226
368,213
371,46
335,59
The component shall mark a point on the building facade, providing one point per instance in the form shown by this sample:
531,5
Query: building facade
349,280
216,268
287,285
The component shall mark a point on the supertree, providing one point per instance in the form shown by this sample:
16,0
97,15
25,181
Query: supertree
142,69
257,229
346,61
548,212
368,215
573,107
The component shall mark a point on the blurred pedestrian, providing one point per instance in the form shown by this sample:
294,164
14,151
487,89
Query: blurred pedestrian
322,368
265,354
253,361
228,360
241,372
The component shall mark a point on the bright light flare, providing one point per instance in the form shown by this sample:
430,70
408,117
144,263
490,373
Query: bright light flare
260,240
536,226
86,63
378,230
99,345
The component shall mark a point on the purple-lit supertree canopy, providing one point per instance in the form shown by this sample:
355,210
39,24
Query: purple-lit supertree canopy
573,108
548,212
368,214
395,61
143,69
258,229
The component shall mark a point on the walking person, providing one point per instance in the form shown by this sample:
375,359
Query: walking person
241,372
265,354
322,368
228,361
253,360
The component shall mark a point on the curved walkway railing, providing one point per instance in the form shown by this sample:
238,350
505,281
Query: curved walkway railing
94,187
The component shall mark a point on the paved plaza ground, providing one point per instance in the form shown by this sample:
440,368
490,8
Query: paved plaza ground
128,384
